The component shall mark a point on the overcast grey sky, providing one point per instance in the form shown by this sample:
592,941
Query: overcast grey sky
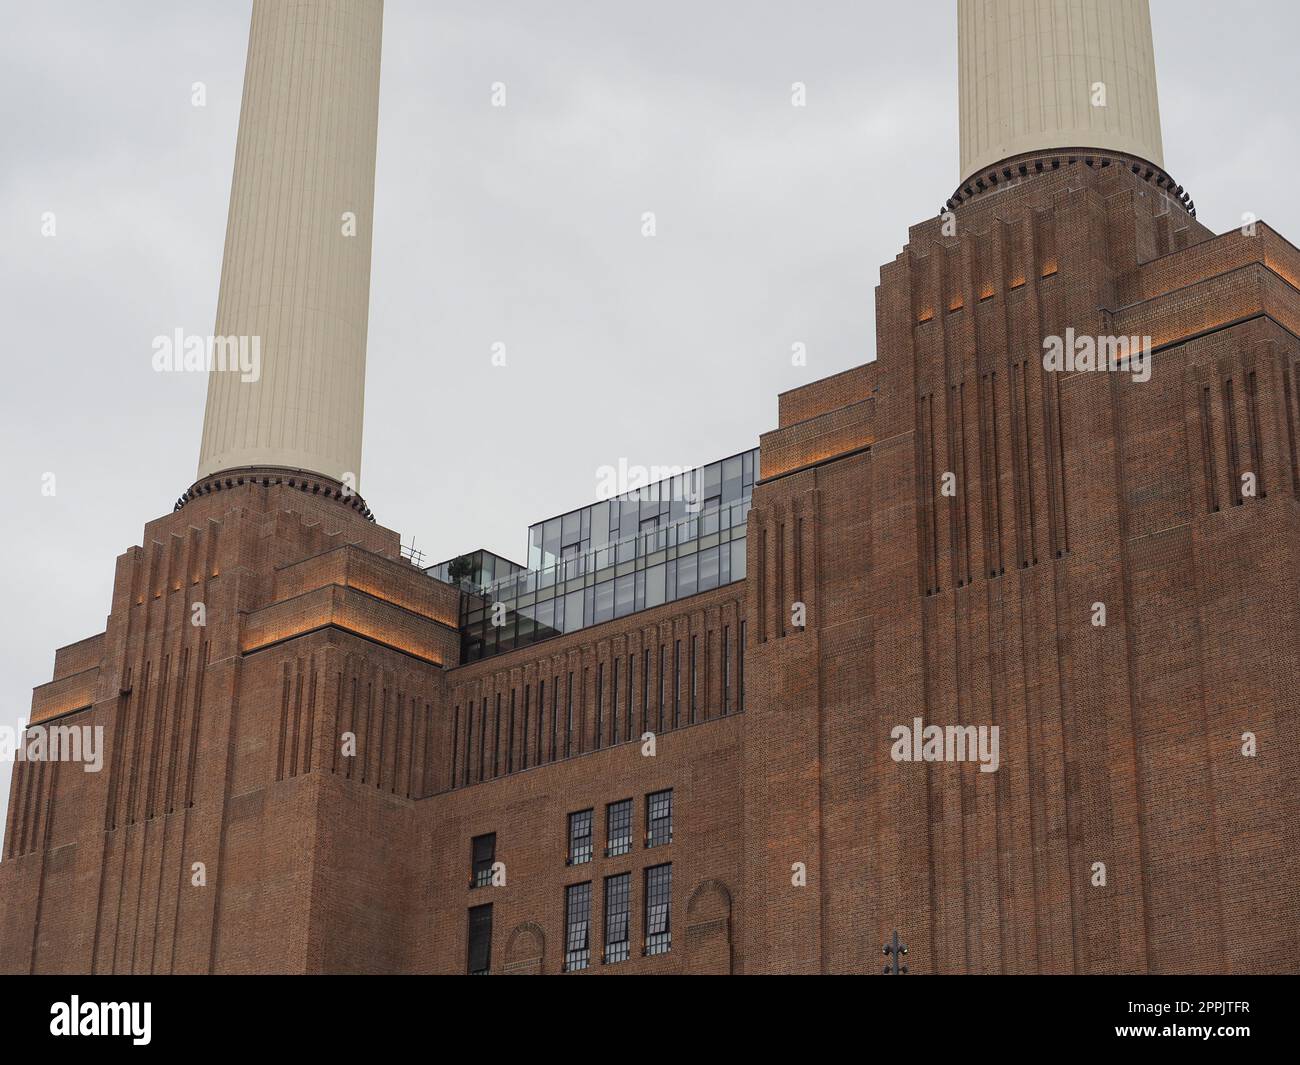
519,225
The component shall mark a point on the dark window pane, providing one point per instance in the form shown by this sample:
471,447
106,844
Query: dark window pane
623,588
659,818
577,918
618,908
618,828
708,571
654,585
686,569
737,560
731,471
658,905
604,602
580,847
479,935
573,611
483,850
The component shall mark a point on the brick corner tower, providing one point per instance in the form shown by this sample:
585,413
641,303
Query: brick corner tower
198,846
1100,564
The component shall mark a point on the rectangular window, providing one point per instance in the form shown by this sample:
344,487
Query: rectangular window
618,828
613,706
677,682
455,744
695,673
479,956
656,592
686,571
645,690
580,837
573,611
496,737
600,703
708,569
740,665
568,717
660,726
658,902
738,559
482,735
523,734
555,713
541,719
631,677
604,602
510,736
618,909
577,919
624,595
483,853
469,739
659,818
726,670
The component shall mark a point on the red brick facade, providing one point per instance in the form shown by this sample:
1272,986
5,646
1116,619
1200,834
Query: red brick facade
962,599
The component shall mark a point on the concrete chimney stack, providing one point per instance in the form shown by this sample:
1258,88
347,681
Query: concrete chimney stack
1043,75
295,277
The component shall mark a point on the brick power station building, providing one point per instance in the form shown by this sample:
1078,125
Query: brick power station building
664,743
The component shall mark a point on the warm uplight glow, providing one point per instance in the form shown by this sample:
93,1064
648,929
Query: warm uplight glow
338,607
805,460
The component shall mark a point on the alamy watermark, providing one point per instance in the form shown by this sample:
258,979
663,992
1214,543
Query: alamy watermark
1076,353
77,1018
54,743
631,482
920,742
196,354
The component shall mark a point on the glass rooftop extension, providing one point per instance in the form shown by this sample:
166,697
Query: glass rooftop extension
649,546
474,571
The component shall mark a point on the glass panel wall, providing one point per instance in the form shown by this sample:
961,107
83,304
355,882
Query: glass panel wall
654,545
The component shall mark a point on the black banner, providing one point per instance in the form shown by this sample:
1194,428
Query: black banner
336,1014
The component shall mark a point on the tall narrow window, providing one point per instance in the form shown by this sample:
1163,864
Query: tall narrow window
618,909
580,837
510,736
740,665
695,664
496,737
618,828
479,955
645,677
631,678
659,818
659,727
555,713
568,716
523,732
600,702
455,744
469,739
541,719
577,919
613,705
726,670
658,902
482,735
677,682
483,853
